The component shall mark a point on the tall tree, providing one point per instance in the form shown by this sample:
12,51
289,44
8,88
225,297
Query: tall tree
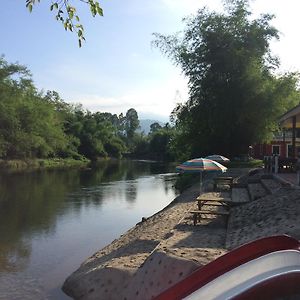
159,144
29,125
155,127
131,122
234,96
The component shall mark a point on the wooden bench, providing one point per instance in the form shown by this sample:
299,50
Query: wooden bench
221,181
214,201
197,214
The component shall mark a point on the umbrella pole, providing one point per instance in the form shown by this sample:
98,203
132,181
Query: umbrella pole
200,182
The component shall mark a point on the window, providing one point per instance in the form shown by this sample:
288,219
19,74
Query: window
276,149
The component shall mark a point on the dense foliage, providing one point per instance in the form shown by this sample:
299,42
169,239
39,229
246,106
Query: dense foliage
37,125
29,125
157,144
235,96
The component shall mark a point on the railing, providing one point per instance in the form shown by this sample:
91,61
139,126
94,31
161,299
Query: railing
281,134
287,136
276,164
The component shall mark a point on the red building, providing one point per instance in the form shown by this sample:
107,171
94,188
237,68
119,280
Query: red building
285,143
281,145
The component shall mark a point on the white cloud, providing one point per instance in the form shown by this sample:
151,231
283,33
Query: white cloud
287,22
158,100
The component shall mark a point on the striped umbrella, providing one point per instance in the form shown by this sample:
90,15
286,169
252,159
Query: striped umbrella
198,165
218,158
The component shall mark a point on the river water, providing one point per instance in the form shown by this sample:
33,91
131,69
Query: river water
51,221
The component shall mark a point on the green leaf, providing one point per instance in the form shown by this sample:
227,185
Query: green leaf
79,42
93,10
100,11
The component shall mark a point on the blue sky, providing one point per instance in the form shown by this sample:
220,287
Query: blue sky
117,68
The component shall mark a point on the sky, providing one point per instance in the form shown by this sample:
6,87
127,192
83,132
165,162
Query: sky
117,68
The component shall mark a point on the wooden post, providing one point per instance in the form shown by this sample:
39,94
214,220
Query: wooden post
294,137
284,143
276,164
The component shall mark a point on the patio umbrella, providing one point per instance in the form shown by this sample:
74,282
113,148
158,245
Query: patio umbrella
198,165
218,158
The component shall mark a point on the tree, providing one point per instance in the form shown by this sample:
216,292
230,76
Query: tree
38,125
67,14
131,122
154,127
29,125
97,133
235,97
141,146
159,144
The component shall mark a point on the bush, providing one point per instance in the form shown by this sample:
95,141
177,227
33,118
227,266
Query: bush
253,163
184,181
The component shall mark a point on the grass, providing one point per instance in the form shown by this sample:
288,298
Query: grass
37,164
253,163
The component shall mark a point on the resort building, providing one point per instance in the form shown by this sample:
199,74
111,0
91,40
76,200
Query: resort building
286,142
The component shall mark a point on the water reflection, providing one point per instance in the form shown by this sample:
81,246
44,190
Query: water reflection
28,204
14,255
131,191
40,212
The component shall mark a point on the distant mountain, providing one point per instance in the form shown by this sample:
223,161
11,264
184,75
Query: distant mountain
145,125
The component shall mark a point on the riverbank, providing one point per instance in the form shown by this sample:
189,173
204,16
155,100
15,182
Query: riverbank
41,164
166,247
118,262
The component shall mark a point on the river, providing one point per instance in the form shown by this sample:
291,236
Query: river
51,221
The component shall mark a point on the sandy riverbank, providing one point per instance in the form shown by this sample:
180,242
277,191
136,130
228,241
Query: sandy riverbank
159,251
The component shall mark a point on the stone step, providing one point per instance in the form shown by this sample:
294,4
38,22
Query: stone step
256,191
240,195
271,185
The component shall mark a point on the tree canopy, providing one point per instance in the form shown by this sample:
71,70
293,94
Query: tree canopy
235,96
68,16
34,124
38,125
29,126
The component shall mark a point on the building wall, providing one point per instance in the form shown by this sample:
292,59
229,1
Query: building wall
261,150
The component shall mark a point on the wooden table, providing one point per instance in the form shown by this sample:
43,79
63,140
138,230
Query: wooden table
214,201
211,201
